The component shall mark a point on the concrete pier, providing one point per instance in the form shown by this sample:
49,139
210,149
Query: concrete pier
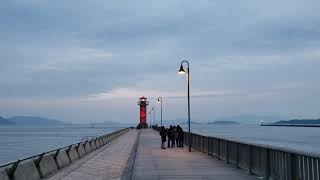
108,162
118,160
177,163
136,154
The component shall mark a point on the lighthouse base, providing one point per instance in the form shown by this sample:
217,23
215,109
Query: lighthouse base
142,126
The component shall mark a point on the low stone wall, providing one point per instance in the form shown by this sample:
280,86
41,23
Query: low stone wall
81,149
88,147
3,175
73,153
93,144
62,158
45,164
26,170
48,165
100,141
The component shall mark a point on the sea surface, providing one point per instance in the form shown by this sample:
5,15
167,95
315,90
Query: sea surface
305,139
18,142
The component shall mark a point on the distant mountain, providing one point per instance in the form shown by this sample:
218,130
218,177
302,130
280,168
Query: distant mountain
250,119
4,121
192,122
106,123
299,121
224,122
242,119
32,120
175,122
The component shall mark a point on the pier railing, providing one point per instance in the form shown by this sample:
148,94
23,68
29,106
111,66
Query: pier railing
45,164
262,160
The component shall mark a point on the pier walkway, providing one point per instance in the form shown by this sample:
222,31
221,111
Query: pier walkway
138,156
154,163
108,162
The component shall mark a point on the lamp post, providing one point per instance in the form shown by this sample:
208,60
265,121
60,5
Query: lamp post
182,71
150,121
154,115
160,101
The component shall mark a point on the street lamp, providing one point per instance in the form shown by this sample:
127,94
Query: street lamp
182,71
154,115
150,114
160,101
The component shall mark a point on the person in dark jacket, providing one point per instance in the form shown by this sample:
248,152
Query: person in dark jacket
163,135
180,136
174,137
169,134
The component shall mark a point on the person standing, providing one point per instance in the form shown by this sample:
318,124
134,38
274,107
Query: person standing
163,135
174,136
169,136
180,136
177,136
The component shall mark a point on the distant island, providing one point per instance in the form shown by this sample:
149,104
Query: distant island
4,121
175,122
30,120
191,122
250,118
300,121
296,123
224,122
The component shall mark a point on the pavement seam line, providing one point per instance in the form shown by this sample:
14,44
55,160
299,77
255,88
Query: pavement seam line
128,171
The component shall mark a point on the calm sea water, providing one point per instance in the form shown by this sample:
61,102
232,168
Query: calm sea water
306,139
19,142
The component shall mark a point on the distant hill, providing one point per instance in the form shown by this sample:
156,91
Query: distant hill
105,123
250,119
243,119
192,122
299,121
34,121
4,121
223,122
175,122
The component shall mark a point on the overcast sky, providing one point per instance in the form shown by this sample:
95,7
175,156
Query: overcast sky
89,61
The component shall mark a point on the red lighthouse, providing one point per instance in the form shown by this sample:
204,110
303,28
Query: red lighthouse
143,103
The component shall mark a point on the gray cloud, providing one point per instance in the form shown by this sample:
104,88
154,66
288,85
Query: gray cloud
69,49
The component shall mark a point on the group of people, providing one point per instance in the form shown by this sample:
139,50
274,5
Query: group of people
174,134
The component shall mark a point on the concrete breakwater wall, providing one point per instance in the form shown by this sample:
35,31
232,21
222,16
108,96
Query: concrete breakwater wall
43,165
